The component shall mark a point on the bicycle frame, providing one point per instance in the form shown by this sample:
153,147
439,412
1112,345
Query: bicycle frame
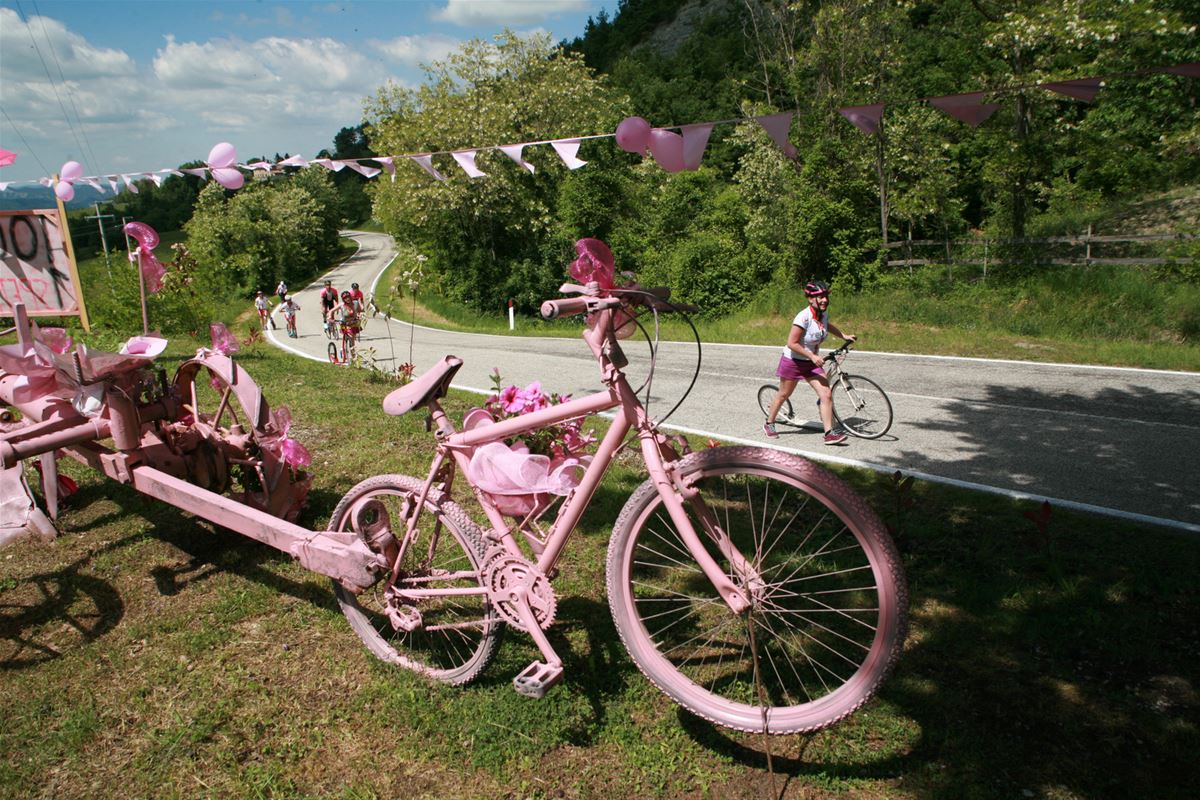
656,451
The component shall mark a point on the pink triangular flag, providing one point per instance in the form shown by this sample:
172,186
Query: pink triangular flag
865,118
129,183
466,160
95,184
112,182
1083,89
695,139
3,185
389,164
513,151
965,107
259,165
199,172
777,127
568,151
329,164
154,176
294,161
361,169
1191,70
426,163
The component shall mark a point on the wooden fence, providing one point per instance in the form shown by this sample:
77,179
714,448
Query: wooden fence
978,250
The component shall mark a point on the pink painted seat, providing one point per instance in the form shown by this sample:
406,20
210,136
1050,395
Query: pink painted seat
430,386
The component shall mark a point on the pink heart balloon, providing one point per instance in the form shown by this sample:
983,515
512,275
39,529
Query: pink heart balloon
667,149
222,155
229,178
633,135
71,171
65,191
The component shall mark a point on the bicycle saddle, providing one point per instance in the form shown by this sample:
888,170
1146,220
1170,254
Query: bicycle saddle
430,386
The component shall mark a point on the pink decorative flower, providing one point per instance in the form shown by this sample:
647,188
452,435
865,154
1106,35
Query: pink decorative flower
223,341
56,339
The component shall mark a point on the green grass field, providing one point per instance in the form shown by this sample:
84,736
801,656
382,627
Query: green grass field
145,654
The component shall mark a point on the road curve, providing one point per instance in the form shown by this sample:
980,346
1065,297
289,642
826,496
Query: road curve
1123,442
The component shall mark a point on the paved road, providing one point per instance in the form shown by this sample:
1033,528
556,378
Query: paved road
1123,441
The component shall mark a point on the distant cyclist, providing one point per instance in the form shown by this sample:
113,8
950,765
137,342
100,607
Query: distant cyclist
263,306
281,291
289,315
329,300
802,360
349,315
357,294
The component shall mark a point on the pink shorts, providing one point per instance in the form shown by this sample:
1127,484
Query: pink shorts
795,370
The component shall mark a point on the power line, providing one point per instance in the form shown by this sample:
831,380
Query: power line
67,86
23,141
53,85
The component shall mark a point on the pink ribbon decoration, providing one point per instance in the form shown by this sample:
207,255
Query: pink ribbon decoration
223,341
695,141
865,118
568,151
514,151
466,160
147,239
518,481
286,449
594,263
426,163
967,108
778,126
1084,89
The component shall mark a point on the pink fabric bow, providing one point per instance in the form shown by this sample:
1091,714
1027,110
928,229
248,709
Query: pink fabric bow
223,341
147,239
286,449
514,477
594,263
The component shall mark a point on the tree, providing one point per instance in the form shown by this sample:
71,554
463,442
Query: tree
513,90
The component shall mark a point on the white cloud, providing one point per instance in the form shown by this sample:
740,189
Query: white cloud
28,50
413,51
505,12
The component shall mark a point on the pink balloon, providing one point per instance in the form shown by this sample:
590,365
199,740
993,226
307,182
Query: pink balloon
222,155
633,135
229,178
65,191
143,234
667,149
71,171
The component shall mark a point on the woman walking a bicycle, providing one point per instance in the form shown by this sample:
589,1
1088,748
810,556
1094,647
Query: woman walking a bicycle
801,360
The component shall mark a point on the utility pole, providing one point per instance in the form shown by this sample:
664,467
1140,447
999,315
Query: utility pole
103,239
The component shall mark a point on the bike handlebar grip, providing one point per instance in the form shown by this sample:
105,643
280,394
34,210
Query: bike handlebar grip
551,309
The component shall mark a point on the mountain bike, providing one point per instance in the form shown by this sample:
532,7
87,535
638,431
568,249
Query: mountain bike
860,406
752,586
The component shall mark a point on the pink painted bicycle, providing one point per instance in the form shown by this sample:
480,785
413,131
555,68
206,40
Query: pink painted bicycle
753,587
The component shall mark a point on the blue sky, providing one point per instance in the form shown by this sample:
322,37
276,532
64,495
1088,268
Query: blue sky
140,86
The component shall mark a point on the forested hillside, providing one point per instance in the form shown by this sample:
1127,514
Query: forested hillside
751,217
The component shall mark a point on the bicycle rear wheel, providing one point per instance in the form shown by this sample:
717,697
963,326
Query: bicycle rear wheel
333,352
861,407
457,635
828,599
766,396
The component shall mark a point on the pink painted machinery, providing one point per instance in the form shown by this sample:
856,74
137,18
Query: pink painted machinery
205,442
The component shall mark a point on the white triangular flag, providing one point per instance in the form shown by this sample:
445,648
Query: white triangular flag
568,150
513,151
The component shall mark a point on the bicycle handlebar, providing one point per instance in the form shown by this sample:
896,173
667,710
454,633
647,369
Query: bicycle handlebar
656,297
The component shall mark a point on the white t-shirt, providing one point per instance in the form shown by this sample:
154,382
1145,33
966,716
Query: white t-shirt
815,330
261,303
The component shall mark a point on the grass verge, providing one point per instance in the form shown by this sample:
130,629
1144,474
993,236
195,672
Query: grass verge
146,654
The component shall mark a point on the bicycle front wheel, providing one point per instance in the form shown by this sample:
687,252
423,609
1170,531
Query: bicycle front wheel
828,600
861,407
766,396
450,637
333,353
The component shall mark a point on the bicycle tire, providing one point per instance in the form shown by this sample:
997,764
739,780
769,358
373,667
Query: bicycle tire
470,628
872,414
766,395
333,352
660,598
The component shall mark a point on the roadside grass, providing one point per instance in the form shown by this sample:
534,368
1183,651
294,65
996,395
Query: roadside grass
1115,316
147,654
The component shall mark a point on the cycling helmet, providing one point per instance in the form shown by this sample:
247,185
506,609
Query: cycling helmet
816,288
346,295
354,286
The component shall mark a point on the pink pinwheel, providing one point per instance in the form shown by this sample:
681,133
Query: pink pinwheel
147,239
223,341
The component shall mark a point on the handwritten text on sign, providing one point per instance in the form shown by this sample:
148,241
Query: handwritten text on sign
34,267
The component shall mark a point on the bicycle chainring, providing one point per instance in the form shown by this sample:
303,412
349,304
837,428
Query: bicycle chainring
504,572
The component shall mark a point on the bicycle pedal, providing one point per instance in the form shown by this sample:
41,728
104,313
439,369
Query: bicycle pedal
404,618
536,679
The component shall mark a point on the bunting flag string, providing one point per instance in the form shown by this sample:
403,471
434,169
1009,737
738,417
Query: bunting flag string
674,152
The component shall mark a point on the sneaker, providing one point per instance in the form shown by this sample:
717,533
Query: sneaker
769,430
833,437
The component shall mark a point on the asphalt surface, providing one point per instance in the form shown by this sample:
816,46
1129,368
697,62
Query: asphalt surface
1122,442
